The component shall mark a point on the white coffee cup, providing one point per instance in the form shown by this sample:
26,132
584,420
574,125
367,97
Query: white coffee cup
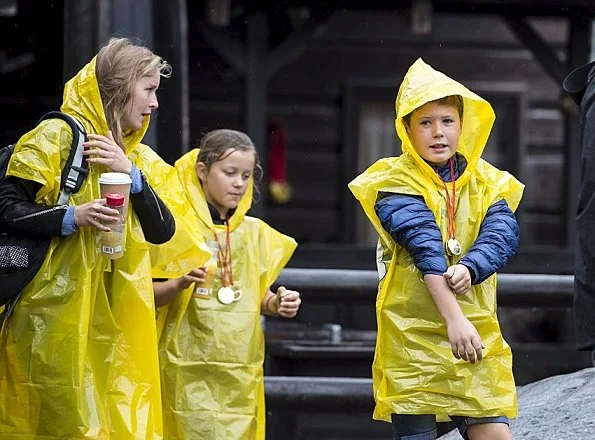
118,183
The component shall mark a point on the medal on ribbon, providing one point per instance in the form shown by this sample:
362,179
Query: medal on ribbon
452,245
226,294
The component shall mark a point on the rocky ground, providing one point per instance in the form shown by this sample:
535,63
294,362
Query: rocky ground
557,408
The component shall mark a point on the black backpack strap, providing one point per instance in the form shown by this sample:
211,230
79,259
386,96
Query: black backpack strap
76,167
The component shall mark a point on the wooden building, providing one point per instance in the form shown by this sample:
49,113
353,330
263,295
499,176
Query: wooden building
329,72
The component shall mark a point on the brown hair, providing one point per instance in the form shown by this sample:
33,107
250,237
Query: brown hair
120,64
215,144
455,101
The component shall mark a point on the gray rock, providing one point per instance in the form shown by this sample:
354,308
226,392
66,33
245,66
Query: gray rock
557,408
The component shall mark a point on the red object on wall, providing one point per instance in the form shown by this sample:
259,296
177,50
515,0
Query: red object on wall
279,188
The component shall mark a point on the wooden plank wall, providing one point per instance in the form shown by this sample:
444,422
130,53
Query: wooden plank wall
307,96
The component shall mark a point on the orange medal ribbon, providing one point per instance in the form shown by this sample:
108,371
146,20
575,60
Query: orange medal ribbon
224,258
453,247
226,294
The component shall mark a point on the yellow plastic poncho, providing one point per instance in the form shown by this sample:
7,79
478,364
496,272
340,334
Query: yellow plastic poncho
414,370
211,355
78,356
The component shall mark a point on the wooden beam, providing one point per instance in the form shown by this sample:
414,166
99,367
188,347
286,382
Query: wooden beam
8,8
218,12
171,42
83,22
257,66
229,50
17,62
293,46
255,95
557,8
543,53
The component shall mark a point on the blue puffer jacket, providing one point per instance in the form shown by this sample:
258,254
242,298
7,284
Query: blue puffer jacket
412,225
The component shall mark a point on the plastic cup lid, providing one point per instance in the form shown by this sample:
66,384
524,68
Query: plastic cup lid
114,199
115,178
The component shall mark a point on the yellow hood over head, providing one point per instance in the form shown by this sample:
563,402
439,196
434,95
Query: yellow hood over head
423,84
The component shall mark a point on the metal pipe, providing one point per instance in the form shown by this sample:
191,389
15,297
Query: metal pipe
308,392
516,290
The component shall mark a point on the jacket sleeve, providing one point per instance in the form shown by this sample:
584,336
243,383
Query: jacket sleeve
584,262
497,242
20,213
155,217
413,226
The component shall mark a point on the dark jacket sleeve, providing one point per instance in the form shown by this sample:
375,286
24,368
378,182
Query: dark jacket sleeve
496,243
584,262
155,217
413,226
19,212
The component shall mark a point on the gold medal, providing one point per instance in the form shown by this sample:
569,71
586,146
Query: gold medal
227,295
453,247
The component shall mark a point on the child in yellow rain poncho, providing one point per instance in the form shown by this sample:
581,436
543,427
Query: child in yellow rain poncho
445,221
212,344
78,356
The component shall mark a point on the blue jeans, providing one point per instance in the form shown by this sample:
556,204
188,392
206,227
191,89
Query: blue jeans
423,426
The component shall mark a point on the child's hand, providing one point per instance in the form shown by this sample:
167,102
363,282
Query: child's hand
458,278
195,276
464,340
288,302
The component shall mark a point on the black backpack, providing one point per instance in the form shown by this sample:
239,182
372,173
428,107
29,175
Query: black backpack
21,256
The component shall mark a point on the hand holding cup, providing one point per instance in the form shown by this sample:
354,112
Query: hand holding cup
194,276
95,214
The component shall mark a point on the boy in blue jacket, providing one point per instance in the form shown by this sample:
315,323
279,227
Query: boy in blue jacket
446,225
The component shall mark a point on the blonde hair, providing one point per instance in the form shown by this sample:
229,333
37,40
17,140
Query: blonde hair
216,145
120,64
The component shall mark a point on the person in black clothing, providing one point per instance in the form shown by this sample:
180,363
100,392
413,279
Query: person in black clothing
580,85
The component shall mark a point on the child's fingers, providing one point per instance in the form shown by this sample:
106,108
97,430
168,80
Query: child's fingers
478,347
457,284
450,273
290,297
195,278
287,312
290,304
199,271
458,277
461,287
455,351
